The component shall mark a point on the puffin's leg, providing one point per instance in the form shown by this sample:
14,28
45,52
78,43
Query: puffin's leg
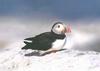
52,50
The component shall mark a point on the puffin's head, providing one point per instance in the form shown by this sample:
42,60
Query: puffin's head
59,28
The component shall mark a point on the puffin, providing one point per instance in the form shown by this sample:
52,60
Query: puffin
48,42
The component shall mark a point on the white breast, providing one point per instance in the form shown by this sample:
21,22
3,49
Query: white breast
59,43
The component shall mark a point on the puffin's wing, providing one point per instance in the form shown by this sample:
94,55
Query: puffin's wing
37,38
39,42
28,40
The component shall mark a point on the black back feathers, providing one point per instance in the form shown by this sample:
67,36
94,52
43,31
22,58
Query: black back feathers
42,42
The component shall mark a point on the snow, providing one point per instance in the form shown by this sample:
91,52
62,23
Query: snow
79,38
13,58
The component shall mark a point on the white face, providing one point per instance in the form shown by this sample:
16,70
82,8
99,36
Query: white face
59,29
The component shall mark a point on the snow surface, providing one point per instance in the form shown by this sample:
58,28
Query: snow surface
13,58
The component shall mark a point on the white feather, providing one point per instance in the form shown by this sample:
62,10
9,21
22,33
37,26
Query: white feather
59,43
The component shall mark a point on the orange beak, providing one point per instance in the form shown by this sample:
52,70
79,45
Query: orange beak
68,29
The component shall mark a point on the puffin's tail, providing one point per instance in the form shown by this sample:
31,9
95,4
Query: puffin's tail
28,42
27,46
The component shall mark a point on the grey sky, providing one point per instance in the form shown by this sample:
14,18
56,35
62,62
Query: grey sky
65,9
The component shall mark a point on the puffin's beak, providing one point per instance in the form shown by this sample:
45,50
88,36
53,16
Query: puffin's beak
68,29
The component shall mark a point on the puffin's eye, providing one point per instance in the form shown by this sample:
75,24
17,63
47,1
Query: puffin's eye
58,26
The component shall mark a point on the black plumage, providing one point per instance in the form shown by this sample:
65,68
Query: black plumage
43,41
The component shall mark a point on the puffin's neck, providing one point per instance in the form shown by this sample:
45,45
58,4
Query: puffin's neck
58,36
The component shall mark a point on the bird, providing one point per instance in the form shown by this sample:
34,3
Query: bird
48,42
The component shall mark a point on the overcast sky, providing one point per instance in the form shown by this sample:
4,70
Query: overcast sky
65,9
